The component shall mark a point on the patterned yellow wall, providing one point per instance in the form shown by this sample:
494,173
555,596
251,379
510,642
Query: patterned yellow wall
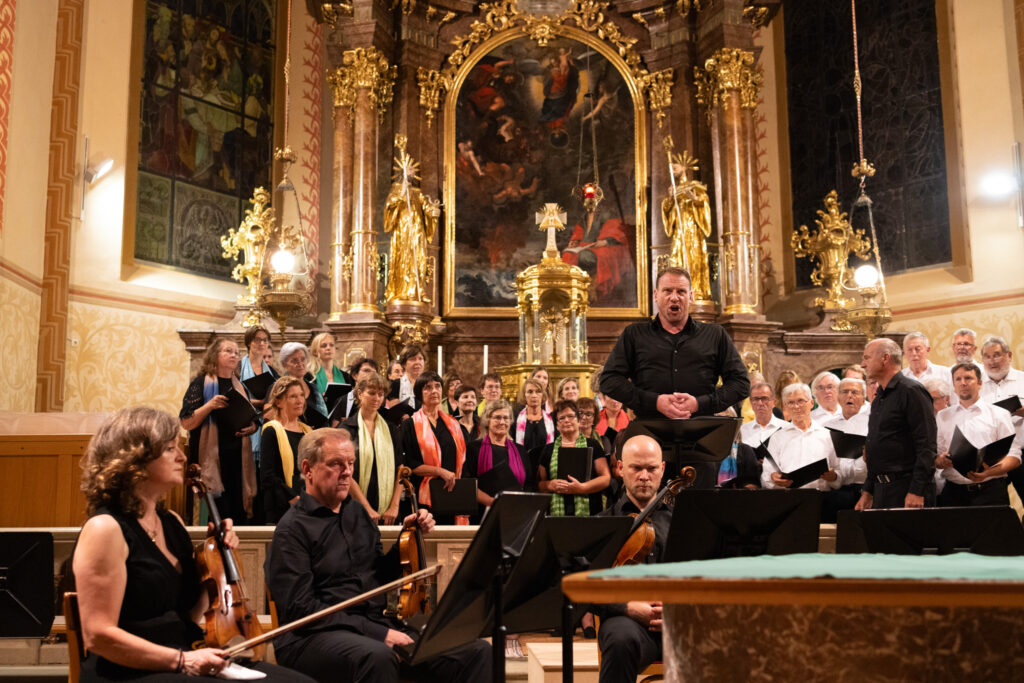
19,332
1002,321
121,357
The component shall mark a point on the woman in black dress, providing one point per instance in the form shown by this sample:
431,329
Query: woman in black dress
572,497
225,455
533,427
497,452
280,476
138,588
433,441
378,452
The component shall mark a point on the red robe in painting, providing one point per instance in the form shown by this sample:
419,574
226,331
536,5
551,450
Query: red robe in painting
613,259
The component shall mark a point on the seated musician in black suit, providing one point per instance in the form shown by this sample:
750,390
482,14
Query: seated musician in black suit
630,633
326,549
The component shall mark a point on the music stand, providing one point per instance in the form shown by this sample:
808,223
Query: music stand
473,599
560,546
984,530
698,442
26,584
736,523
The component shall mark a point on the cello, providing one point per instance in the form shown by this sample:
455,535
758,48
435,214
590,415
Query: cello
228,619
413,598
641,535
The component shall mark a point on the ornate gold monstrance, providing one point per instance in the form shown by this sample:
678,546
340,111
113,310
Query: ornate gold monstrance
552,302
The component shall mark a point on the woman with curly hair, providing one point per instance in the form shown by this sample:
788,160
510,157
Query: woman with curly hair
138,588
224,455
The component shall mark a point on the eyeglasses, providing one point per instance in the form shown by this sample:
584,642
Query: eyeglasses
500,418
586,413
261,340
760,399
797,402
570,416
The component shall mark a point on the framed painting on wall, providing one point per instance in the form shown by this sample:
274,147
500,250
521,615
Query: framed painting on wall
526,124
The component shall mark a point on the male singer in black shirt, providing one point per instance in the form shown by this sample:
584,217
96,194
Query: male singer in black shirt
669,366
900,450
630,635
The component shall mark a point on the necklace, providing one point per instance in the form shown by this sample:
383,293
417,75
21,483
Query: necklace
152,534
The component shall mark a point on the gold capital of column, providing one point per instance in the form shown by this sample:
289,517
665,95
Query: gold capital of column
363,68
727,69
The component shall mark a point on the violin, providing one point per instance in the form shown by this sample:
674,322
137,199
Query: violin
413,598
228,619
641,535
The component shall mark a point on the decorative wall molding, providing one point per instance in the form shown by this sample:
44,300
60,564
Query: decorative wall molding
311,95
7,13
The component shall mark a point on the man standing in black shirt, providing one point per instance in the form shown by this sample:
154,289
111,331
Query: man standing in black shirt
326,549
900,450
669,366
630,635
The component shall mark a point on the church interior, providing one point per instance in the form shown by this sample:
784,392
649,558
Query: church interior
497,182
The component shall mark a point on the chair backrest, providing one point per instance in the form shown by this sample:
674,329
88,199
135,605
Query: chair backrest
76,646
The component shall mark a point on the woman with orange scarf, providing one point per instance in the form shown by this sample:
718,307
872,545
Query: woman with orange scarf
434,445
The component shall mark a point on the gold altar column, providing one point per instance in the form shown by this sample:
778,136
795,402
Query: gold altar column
727,86
362,91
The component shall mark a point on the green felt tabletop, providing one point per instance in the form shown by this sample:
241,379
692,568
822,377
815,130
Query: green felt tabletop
956,567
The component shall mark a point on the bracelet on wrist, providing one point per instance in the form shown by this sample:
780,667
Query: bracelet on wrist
181,661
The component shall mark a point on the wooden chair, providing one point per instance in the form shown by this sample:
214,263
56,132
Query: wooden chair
76,646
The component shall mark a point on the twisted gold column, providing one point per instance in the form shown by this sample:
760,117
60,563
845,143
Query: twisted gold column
727,86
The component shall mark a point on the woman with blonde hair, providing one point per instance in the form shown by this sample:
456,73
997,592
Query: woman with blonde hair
568,389
540,374
280,475
139,595
321,363
225,455
534,426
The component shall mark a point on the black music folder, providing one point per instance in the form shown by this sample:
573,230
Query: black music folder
396,413
762,450
335,392
966,458
239,413
575,462
259,385
497,479
1012,404
802,475
461,500
847,445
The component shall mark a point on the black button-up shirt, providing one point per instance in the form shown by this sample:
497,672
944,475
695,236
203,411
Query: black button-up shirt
901,434
319,558
648,361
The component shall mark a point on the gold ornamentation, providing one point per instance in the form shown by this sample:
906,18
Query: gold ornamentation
251,240
408,6
686,215
411,218
448,17
333,10
638,17
363,68
540,30
684,6
831,246
432,84
658,87
863,169
661,12
756,14
406,333
727,69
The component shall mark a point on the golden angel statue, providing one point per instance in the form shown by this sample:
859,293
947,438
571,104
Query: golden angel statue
686,214
411,218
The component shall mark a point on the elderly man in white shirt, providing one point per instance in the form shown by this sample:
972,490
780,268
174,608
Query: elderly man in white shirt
799,443
939,390
826,392
981,423
852,471
916,349
764,424
1000,381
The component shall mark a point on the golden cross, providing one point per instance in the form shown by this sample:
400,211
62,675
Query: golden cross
551,216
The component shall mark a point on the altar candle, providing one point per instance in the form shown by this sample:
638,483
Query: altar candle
440,360
485,359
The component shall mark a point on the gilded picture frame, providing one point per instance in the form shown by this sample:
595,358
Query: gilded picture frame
475,287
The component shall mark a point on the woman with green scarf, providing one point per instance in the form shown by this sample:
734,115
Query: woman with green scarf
378,452
572,497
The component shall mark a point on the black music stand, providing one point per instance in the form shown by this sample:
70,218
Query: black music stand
473,599
698,442
561,546
983,530
26,584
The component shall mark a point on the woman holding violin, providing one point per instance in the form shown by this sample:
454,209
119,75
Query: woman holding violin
139,590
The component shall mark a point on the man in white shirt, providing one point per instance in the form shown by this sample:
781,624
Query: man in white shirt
800,443
916,350
1001,381
965,343
981,423
764,424
852,471
826,393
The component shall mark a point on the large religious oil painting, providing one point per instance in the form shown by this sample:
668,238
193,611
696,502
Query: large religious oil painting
529,124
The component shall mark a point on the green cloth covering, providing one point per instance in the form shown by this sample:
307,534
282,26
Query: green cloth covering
958,566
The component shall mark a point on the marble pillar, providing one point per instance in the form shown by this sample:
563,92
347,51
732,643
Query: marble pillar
341,212
727,87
